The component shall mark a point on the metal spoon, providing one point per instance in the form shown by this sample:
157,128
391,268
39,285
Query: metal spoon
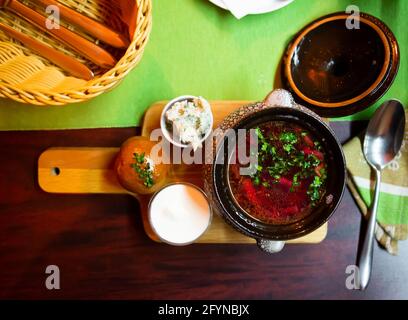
382,142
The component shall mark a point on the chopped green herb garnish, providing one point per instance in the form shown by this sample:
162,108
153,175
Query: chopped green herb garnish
315,160
257,180
306,164
143,169
323,173
283,155
288,137
259,133
264,147
314,189
316,182
273,151
295,181
288,147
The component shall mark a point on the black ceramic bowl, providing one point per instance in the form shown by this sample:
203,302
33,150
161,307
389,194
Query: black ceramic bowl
338,69
250,117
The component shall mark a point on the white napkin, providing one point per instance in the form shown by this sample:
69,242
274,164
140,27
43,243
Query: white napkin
239,8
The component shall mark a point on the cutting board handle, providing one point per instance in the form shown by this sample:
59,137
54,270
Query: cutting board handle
78,170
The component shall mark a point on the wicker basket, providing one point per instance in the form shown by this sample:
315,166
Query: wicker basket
28,78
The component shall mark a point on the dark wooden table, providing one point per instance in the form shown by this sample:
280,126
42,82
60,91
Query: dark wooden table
99,244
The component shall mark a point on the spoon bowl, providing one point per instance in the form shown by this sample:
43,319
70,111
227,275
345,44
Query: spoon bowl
385,134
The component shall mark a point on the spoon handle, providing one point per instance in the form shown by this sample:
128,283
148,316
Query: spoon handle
366,256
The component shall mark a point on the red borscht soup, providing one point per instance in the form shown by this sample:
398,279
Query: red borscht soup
290,176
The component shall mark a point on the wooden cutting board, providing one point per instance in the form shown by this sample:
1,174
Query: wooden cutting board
90,170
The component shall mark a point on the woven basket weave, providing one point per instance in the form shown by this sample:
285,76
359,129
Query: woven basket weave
29,78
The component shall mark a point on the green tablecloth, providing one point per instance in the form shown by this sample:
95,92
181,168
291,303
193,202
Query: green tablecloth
197,48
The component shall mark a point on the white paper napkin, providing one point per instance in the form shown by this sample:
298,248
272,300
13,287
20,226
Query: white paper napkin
239,8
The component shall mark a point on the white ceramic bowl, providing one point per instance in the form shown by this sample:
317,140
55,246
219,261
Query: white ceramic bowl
168,134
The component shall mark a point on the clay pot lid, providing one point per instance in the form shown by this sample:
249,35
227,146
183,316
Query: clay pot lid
337,71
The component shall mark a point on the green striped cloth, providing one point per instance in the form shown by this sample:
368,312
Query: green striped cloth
392,220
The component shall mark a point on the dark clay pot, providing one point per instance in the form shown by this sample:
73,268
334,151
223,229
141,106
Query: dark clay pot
278,106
